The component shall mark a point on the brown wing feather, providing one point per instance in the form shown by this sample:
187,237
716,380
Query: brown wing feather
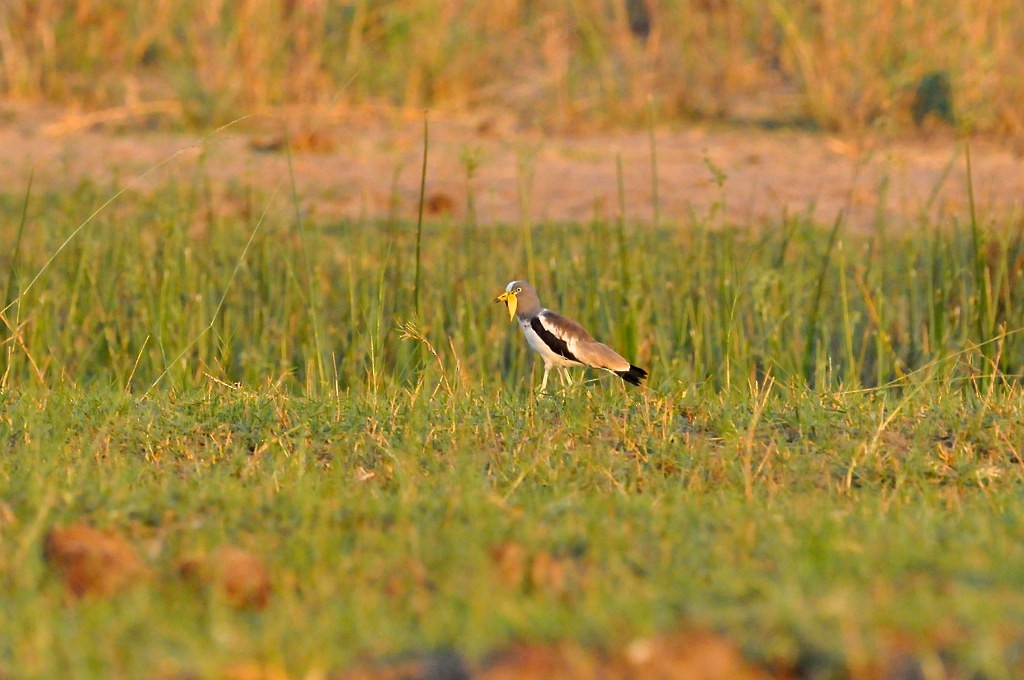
600,355
563,328
582,344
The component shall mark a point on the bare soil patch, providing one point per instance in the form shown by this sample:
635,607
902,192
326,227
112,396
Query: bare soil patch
93,562
364,166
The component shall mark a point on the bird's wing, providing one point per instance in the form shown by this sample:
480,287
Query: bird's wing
572,341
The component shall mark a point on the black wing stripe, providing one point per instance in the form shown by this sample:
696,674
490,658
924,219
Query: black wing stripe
557,345
633,376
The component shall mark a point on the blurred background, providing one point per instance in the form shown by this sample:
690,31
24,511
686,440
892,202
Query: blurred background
874,66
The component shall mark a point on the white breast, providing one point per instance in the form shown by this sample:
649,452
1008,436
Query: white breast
550,357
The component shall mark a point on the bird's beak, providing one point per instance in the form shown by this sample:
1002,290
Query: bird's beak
510,301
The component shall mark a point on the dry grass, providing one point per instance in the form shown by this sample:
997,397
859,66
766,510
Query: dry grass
842,66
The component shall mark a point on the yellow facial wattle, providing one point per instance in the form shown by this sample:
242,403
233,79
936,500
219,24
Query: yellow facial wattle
512,302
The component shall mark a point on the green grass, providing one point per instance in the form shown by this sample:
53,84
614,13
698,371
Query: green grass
826,465
168,290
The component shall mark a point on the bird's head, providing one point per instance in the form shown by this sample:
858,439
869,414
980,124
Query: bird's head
511,297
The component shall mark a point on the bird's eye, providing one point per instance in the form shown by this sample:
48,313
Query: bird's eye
519,290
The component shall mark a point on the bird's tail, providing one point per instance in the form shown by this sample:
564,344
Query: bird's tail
633,376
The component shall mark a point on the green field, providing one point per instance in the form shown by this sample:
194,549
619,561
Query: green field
825,467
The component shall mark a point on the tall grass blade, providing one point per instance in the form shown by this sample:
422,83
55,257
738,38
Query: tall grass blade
12,275
12,283
629,322
982,281
655,200
819,291
419,215
311,288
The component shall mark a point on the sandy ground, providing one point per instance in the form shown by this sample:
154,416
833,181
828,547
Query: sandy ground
353,166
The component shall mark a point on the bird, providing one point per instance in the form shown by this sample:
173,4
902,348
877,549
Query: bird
561,342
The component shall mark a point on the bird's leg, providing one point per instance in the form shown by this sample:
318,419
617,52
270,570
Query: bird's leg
566,378
544,382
